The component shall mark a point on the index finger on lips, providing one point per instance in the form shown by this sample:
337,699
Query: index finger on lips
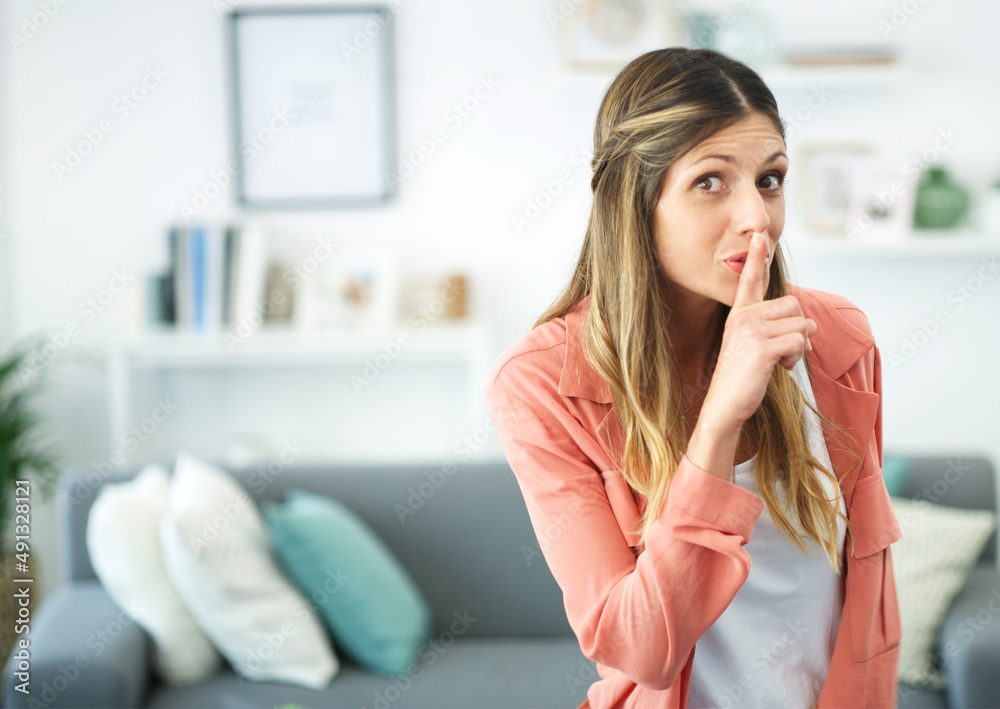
751,286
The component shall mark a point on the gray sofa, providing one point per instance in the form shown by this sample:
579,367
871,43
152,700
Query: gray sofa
469,545
973,669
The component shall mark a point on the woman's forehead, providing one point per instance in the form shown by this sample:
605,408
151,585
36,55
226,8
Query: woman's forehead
753,137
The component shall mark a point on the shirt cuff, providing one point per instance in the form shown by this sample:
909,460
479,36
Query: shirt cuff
709,497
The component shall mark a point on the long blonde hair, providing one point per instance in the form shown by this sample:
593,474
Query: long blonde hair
661,105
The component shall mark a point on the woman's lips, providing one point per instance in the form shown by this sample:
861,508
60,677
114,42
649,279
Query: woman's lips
736,265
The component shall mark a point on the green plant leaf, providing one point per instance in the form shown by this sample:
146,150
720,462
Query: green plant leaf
23,453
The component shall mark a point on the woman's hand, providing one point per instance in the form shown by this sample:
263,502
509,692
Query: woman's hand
758,335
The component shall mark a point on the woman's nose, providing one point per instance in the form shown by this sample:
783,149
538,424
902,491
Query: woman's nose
749,211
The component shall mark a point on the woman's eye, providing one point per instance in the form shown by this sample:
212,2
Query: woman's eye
773,181
707,180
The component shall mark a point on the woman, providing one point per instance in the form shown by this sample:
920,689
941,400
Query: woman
652,434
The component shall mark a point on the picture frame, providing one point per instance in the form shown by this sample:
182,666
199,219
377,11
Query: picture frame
313,106
830,172
354,291
604,35
883,200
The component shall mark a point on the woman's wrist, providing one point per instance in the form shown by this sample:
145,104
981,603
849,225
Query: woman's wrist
712,447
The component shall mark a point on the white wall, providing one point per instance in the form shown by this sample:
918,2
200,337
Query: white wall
67,238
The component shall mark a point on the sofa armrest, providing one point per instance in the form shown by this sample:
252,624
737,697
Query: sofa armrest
83,651
969,644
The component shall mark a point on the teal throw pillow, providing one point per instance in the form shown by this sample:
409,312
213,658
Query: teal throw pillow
894,472
372,607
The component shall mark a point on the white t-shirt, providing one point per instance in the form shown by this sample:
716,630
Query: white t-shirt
772,645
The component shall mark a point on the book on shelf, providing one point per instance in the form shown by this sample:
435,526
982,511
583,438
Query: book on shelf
215,277
249,272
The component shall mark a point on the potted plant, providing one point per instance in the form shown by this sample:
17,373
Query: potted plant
23,456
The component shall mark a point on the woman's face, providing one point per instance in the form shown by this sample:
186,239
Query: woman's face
711,202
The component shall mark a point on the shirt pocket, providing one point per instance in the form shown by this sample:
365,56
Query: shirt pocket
874,611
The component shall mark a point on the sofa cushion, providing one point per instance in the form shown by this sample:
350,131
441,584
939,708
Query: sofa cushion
895,469
123,538
930,564
218,554
366,597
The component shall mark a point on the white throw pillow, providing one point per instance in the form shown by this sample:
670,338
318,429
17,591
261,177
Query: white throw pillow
931,562
123,540
219,556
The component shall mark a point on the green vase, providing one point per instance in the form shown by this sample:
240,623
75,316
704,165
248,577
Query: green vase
941,203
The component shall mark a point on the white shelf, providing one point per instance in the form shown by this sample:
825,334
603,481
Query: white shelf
787,77
919,245
280,346
464,346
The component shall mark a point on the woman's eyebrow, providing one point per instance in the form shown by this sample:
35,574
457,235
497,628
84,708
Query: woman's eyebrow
729,158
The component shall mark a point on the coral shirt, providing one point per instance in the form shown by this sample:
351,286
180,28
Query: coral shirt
638,611
772,645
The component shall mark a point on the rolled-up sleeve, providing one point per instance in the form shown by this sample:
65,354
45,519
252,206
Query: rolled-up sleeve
638,614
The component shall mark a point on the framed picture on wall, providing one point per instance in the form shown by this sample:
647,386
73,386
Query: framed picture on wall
313,106
830,172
